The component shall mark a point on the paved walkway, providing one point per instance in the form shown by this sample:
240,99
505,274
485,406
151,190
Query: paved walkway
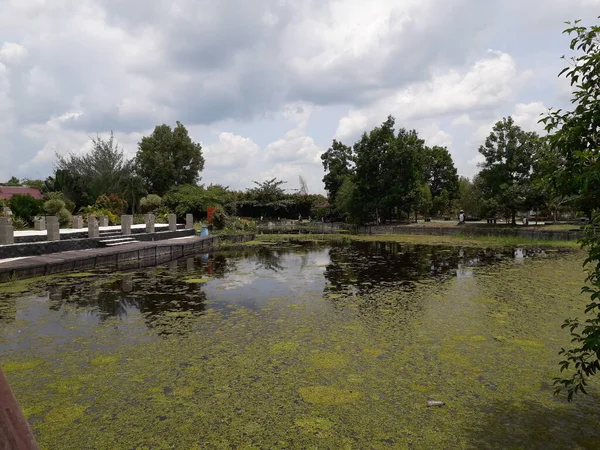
154,251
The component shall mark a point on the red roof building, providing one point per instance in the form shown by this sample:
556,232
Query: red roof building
6,192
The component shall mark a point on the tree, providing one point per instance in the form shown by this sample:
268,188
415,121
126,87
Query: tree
169,158
14,181
469,197
337,164
83,178
441,176
574,136
439,171
269,196
388,171
507,172
36,184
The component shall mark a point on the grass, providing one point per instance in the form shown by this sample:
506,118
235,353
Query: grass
471,241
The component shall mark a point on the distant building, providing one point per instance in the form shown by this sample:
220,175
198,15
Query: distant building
6,192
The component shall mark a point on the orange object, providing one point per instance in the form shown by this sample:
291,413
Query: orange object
209,213
15,433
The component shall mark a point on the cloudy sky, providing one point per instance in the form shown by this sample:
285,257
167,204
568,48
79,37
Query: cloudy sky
266,85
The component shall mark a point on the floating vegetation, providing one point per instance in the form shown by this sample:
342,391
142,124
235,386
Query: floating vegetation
325,345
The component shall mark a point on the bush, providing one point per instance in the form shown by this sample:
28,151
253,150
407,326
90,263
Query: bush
19,223
52,207
65,218
87,211
113,203
219,218
25,207
150,203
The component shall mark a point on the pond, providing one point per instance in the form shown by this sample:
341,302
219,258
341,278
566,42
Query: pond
302,346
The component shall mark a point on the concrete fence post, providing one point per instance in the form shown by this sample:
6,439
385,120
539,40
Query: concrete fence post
189,221
93,230
52,228
126,223
172,222
7,232
40,224
149,218
103,221
77,222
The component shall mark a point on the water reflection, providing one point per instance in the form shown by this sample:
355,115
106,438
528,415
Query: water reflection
253,276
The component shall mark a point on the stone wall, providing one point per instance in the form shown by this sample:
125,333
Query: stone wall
42,248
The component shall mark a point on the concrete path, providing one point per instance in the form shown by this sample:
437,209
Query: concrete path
151,251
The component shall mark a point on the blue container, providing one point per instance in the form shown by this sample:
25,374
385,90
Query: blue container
204,231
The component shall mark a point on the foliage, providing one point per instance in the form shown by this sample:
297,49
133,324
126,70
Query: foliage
575,140
169,158
219,218
469,197
83,178
336,162
345,199
440,174
150,203
388,170
52,207
507,172
36,184
56,207
196,199
87,211
112,203
25,207
425,202
19,223
14,181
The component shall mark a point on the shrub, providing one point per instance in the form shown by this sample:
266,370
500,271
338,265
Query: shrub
87,211
65,218
219,218
19,223
150,203
52,207
25,207
112,203
53,196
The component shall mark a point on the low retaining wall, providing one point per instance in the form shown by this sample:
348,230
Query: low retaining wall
105,234
136,255
533,234
43,248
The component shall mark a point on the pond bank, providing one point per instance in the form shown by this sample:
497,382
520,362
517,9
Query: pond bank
466,230
452,240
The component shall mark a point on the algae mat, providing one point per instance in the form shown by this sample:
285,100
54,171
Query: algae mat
334,347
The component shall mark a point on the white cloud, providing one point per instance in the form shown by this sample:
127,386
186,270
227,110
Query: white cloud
486,83
231,152
527,116
238,73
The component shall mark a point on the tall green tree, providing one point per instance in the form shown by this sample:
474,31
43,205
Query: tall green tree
103,170
337,161
441,176
507,172
388,172
169,158
574,136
